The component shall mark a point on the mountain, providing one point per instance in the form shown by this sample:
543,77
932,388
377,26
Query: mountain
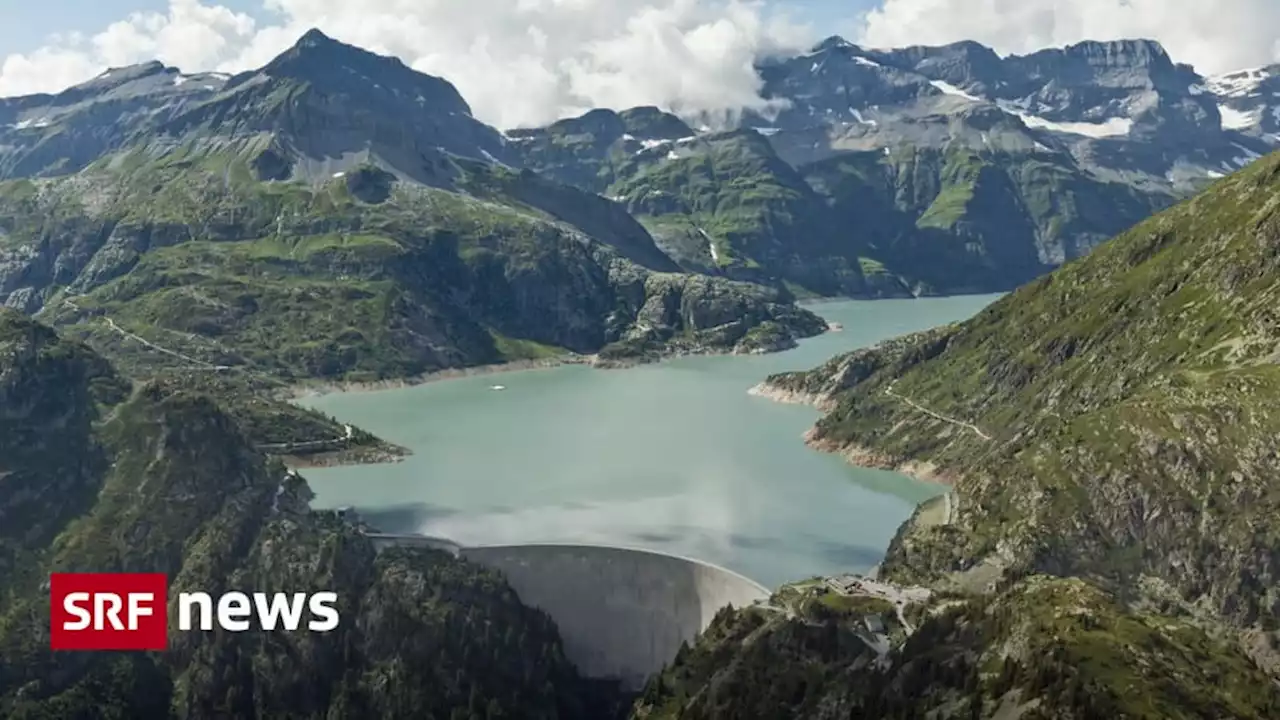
1115,420
333,216
319,108
726,203
1110,542
582,151
947,169
1250,101
104,476
920,170
1121,110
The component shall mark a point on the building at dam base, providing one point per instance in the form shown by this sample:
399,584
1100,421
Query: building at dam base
623,613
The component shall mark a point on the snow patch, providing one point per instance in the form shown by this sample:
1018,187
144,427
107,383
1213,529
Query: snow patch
1215,174
1248,153
1197,89
768,131
858,116
1239,83
628,136
1233,119
950,89
651,144
866,61
671,155
1113,127
179,79
26,124
1248,156
339,174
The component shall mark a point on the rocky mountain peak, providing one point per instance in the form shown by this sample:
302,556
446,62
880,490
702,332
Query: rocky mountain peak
601,122
148,74
314,38
333,66
118,75
1141,51
1243,83
653,123
1114,63
832,43
963,64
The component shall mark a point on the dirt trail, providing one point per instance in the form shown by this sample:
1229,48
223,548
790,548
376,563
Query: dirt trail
978,431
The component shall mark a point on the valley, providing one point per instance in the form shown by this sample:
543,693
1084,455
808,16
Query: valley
189,263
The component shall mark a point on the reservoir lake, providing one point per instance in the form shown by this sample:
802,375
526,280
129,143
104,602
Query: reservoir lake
674,456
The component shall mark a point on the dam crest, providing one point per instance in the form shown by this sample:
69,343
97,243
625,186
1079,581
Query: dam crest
623,612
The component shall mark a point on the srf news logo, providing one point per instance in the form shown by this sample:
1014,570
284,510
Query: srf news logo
130,611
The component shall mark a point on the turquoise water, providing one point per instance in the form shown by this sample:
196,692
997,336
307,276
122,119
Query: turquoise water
674,457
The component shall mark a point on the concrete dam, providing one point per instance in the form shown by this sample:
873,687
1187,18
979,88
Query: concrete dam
623,613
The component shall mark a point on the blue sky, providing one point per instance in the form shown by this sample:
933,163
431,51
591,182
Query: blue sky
27,24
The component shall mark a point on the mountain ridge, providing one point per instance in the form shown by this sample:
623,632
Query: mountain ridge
1110,119
325,219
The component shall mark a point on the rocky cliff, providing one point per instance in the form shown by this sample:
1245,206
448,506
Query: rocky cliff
1036,648
98,476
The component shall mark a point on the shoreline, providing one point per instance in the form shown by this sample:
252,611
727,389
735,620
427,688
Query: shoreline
856,455
389,453
314,389
320,389
791,397
861,456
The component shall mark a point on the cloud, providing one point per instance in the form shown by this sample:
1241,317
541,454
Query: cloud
527,62
1215,37
518,62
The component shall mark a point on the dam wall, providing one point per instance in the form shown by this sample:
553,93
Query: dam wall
622,613
382,541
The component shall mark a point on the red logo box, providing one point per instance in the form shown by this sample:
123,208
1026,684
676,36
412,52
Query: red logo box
108,611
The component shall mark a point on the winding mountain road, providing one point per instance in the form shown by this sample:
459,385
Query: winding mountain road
348,430
167,351
970,426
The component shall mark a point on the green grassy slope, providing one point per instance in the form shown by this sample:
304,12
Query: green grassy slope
1131,401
